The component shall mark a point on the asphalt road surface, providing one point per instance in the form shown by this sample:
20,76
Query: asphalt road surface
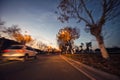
47,67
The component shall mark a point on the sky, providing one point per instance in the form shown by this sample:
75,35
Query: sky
38,18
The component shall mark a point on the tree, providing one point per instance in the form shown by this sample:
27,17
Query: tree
85,10
66,37
12,31
81,46
88,46
41,46
15,32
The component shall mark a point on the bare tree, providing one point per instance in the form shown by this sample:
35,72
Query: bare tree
15,32
12,31
66,37
84,10
41,46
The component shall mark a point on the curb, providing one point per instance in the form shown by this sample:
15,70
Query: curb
99,73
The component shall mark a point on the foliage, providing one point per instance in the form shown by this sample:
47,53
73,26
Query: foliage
111,66
66,37
83,10
15,32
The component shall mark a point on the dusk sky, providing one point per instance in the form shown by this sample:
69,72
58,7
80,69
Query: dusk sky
38,18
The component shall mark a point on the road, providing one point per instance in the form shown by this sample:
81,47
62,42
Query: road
47,67
51,67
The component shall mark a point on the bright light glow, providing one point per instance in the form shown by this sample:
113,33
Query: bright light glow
39,21
6,51
20,51
12,55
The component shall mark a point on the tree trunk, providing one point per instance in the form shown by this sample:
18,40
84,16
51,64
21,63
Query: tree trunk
103,50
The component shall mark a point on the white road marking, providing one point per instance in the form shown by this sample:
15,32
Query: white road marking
9,63
86,74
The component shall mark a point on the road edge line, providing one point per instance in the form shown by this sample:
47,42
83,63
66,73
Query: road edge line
8,63
102,73
86,74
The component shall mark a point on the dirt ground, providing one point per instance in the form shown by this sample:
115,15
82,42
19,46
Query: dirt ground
112,65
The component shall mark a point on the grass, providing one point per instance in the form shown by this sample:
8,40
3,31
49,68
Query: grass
112,65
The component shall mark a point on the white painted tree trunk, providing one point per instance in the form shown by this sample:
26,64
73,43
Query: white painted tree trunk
103,50
72,51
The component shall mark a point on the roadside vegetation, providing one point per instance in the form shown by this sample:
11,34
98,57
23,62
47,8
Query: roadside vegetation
112,65
84,11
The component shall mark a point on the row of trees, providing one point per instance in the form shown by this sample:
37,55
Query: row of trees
66,37
15,32
87,12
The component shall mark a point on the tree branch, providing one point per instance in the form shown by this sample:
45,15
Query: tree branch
77,13
87,11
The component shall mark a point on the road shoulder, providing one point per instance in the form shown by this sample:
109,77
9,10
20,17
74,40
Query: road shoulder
92,73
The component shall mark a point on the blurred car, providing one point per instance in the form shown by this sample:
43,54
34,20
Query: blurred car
19,52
